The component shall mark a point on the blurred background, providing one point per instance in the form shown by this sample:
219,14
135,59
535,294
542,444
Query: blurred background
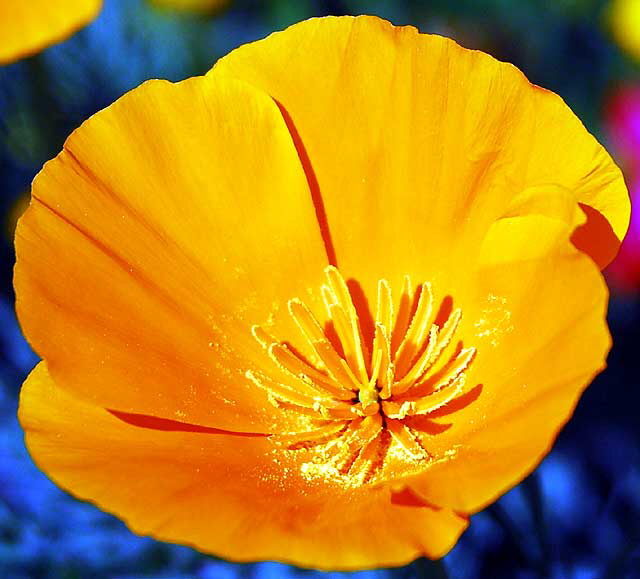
577,516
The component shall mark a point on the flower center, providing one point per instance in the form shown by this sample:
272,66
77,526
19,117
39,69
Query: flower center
370,405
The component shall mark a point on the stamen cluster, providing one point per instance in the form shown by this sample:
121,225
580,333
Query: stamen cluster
364,403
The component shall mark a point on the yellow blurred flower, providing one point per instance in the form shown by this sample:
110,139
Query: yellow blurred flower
625,23
320,304
28,26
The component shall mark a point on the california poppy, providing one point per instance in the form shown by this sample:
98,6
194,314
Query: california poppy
28,27
320,304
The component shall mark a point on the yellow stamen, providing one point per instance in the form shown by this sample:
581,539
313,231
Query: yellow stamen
344,315
438,342
407,439
291,364
355,403
320,435
404,314
418,328
384,311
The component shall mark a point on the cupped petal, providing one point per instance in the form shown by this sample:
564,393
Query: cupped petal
236,496
418,145
170,224
28,27
538,324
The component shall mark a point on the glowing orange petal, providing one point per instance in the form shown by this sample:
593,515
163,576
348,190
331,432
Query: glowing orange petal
540,333
29,26
430,141
235,496
172,222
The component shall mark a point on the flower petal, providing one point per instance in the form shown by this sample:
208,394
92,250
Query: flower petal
28,27
235,496
418,144
539,328
171,222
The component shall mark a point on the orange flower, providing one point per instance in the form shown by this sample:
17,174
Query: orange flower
28,26
321,304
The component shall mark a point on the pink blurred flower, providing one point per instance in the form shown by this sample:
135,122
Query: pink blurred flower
622,124
622,119
624,271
